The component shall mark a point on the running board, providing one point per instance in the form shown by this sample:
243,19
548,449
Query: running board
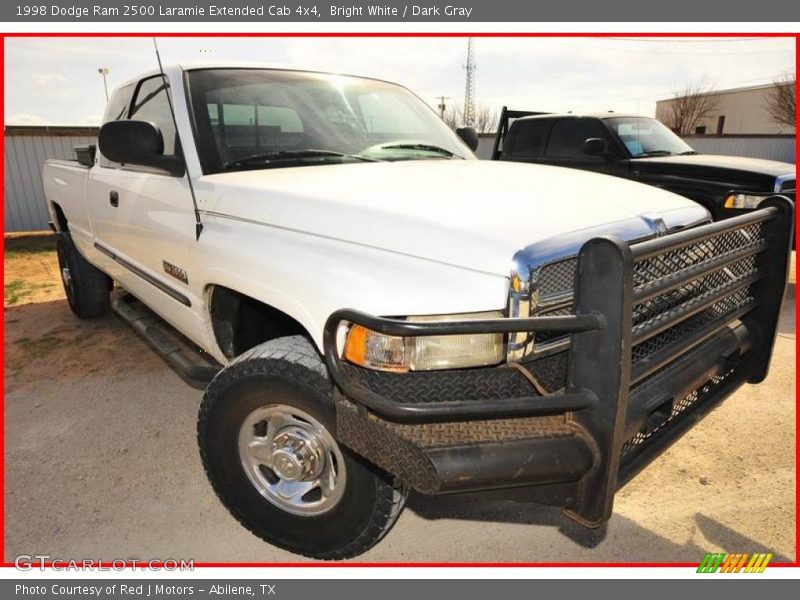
195,367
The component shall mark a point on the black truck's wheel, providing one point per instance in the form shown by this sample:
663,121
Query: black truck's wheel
86,287
266,435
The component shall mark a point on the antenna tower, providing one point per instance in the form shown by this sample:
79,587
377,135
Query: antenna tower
469,93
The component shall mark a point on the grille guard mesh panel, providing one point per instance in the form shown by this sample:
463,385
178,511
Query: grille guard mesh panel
557,279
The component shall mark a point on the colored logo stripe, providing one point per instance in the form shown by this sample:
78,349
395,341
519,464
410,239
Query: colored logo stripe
734,563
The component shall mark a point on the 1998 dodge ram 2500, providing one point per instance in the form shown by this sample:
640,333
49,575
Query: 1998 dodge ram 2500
371,309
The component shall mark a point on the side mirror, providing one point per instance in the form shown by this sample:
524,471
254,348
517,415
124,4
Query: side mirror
596,147
137,143
469,136
85,154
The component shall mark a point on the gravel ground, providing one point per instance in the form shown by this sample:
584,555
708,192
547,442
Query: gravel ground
101,462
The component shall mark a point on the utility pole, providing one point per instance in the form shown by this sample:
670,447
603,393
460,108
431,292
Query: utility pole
469,93
442,106
104,71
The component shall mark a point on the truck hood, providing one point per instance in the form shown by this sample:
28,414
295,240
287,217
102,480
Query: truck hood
759,166
467,213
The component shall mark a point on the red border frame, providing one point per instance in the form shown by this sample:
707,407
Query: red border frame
796,36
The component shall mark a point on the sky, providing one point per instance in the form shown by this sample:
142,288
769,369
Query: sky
55,81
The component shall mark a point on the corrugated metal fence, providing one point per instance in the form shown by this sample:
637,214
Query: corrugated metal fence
772,147
24,151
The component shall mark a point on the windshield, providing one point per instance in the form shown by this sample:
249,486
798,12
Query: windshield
261,118
647,137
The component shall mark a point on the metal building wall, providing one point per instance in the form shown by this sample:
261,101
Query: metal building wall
24,155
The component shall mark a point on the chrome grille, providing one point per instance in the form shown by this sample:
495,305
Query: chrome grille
557,278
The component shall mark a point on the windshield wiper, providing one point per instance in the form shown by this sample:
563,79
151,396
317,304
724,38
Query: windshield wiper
687,153
267,157
654,153
421,146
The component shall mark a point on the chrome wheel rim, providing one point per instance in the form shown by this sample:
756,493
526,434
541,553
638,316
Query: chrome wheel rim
292,460
66,278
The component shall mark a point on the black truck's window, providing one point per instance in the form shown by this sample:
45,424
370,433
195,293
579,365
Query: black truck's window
528,138
644,137
151,104
568,135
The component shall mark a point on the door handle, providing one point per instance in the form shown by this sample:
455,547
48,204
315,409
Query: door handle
113,198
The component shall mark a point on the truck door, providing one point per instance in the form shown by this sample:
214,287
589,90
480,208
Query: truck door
565,147
143,218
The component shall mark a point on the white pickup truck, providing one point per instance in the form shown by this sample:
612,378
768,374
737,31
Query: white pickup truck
371,309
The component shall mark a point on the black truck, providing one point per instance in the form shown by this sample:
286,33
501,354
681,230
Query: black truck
645,150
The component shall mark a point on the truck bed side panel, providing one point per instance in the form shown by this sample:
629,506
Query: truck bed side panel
66,184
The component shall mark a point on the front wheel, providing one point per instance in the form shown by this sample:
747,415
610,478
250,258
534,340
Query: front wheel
266,435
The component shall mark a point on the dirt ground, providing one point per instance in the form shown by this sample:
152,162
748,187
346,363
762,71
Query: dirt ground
101,460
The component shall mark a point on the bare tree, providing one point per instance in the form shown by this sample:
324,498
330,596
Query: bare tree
485,118
689,107
781,101
453,117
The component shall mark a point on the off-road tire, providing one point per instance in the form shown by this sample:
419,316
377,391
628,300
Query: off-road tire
86,287
289,371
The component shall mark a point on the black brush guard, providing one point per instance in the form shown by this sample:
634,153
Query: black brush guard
487,429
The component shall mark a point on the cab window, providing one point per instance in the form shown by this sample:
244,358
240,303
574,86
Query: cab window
151,104
119,104
568,135
528,139
254,126
117,108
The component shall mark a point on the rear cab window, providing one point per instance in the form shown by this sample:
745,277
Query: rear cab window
528,138
568,135
254,127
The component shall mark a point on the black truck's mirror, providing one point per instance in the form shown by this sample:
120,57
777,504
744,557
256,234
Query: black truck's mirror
136,143
469,136
596,147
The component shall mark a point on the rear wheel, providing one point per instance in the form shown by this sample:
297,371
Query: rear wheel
86,287
266,432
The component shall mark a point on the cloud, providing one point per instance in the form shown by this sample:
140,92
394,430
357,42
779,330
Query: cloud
26,119
47,79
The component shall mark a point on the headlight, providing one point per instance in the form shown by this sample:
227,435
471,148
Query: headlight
743,201
367,348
